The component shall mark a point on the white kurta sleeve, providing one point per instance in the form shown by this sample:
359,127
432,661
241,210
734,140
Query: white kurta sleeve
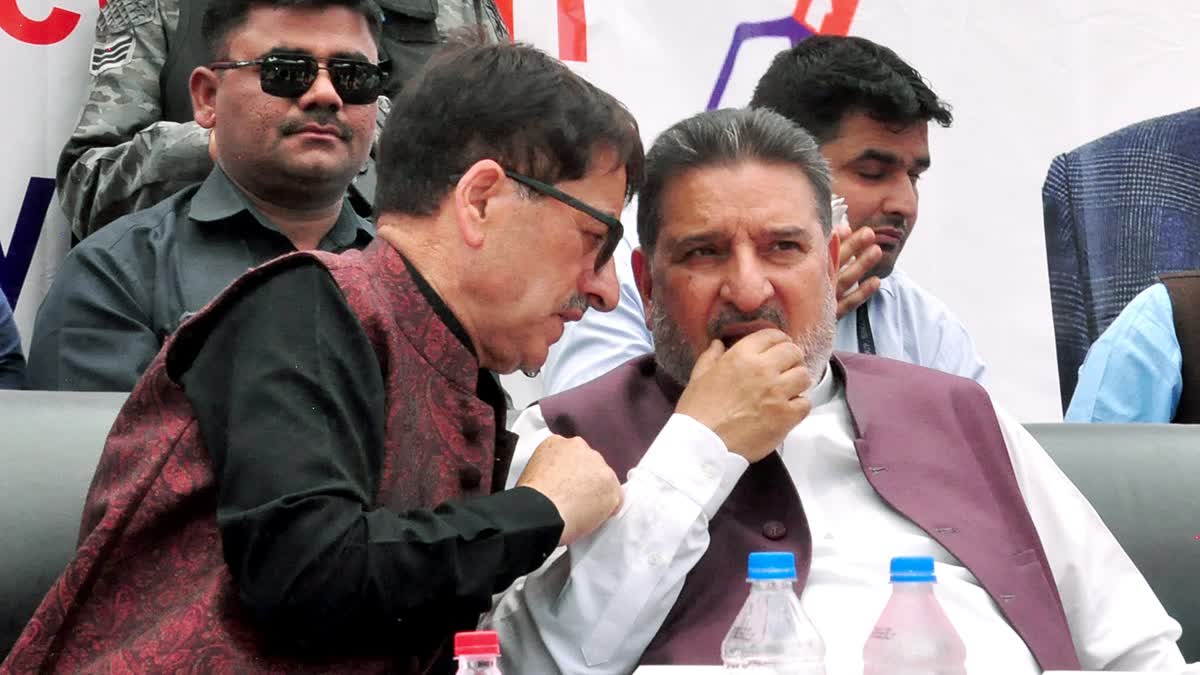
1116,621
596,605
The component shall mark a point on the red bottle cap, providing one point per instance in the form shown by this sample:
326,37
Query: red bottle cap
477,643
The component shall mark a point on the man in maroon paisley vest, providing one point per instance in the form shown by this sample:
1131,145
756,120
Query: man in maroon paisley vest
745,432
307,478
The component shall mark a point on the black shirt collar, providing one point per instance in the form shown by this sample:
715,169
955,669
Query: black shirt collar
440,307
487,386
218,199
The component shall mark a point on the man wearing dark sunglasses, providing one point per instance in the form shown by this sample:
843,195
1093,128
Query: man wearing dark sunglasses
309,477
137,142
292,99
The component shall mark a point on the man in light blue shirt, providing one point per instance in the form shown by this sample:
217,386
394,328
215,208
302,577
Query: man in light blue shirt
875,139
12,363
1134,372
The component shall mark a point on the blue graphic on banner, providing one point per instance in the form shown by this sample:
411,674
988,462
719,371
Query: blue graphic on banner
15,260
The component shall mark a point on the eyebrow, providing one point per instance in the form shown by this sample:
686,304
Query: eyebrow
694,240
349,55
615,216
890,159
284,49
790,232
785,232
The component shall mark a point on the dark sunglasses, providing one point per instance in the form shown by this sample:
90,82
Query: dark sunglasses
615,229
290,75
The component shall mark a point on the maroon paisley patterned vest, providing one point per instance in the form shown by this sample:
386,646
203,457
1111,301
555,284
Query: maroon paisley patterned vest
148,590
930,445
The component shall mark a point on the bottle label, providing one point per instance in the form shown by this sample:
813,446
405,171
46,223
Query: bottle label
745,633
883,633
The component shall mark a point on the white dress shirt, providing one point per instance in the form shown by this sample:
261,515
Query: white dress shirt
907,322
595,606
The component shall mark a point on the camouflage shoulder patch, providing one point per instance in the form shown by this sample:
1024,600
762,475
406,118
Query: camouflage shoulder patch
111,54
118,16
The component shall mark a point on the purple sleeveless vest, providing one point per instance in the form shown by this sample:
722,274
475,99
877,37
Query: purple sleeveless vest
908,421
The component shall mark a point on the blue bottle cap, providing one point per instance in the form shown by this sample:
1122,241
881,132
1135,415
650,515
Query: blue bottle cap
912,569
767,565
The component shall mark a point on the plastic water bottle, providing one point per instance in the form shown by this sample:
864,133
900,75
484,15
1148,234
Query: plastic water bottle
772,634
478,652
913,635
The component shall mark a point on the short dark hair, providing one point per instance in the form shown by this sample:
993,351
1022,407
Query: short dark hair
508,102
817,82
221,17
724,138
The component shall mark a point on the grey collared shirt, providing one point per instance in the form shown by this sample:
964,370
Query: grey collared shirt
122,291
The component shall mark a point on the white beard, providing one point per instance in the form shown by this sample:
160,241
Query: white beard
677,358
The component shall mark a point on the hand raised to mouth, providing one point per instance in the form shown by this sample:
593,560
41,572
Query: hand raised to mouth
732,325
751,394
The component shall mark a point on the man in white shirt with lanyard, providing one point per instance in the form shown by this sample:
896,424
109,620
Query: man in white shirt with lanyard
746,431
870,112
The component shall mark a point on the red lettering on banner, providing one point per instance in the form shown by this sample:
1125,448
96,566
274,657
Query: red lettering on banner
572,27
572,31
54,28
836,22
506,13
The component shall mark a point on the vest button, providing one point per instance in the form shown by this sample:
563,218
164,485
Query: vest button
505,444
774,530
469,477
471,429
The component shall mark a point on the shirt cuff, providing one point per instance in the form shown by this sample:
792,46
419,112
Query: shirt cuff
692,459
529,517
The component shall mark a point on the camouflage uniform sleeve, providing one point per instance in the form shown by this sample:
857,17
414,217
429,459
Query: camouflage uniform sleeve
383,108
122,156
453,15
493,21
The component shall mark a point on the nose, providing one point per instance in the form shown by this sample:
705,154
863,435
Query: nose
902,199
321,94
601,287
747,286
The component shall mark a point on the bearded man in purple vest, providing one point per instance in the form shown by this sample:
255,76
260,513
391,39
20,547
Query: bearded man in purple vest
745,432
303,479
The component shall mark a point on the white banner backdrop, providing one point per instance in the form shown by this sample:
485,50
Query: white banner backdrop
44,46
1028,79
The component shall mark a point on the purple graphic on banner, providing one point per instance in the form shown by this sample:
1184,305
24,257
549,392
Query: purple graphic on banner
787,27
795,28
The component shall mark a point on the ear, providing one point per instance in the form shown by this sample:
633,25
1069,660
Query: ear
641,276
835,247
476,198
203,87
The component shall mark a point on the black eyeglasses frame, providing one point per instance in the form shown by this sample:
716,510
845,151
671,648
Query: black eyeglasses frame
615,229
